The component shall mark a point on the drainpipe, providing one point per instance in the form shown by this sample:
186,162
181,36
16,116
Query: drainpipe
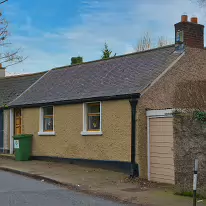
134,168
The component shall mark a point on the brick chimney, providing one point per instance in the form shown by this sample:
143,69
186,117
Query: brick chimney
2,71
189,33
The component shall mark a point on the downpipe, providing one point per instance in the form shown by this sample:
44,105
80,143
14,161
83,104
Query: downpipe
134,167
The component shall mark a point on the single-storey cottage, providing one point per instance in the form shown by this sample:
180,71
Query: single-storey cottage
10,88
115,110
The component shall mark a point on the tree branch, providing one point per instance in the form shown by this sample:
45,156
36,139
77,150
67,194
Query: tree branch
5,44
10,55
3,1
16,62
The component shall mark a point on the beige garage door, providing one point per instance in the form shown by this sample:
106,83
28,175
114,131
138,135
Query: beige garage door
161,150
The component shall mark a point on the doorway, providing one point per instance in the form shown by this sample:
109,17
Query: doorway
17,121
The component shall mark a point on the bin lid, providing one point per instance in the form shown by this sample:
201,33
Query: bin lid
22,136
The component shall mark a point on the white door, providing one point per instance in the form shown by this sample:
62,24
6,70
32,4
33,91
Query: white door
161,150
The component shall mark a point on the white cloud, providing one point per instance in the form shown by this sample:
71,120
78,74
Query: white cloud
120,24
129,49
14,73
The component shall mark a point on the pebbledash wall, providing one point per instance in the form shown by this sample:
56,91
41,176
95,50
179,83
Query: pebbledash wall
163,95
114,144
189,144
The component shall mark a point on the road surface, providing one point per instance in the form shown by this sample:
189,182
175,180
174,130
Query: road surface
16,190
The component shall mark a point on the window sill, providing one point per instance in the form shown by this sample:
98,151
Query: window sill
46,133
88,133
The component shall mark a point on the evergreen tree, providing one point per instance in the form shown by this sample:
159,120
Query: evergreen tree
107,53
76,60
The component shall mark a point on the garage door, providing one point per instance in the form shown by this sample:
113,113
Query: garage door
161,150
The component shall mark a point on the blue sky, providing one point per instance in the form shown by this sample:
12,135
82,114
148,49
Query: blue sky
50,32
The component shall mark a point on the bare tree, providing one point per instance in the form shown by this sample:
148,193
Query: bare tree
201,2
8,56
1,2
144,43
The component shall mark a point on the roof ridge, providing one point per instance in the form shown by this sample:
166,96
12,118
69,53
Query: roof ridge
105,78
116,57
30,87
23,75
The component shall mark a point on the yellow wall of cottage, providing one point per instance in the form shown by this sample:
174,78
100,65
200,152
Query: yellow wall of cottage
114,144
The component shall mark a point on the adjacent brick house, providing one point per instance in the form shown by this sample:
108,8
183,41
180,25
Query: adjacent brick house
88,111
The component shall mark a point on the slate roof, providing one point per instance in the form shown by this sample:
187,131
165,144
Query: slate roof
126,74
11,87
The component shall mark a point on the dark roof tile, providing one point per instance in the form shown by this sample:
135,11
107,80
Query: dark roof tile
11,87
121,75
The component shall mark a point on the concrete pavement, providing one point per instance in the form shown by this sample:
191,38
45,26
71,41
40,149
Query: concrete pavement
100,183
16,190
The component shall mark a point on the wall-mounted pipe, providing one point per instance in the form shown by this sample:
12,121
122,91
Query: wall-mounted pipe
134,168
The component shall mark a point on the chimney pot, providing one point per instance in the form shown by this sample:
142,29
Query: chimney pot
192,33
184,18
194,20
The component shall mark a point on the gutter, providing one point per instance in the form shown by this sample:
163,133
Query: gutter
77,101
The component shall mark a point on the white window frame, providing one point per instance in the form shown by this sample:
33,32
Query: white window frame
41,122
85,132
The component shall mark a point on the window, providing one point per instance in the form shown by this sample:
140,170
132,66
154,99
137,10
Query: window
47,118
92,119
47,121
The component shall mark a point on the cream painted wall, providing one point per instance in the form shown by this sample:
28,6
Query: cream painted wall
114,144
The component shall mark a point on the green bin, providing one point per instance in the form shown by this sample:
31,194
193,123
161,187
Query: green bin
23,146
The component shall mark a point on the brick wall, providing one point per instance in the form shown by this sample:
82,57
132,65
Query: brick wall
193,34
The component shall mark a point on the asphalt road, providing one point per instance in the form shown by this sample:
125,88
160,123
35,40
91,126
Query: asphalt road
16,190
